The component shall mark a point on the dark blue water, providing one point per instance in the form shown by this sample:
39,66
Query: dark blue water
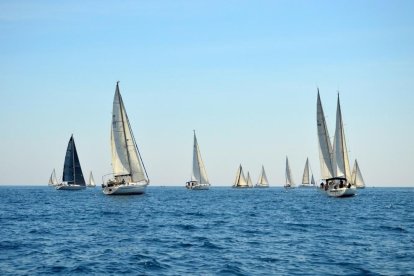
223,231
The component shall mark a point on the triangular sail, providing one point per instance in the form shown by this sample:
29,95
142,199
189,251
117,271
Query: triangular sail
289,180
53,179
325,146
72,171
263,178
305,177
240,179
249,180
126,160
91,179
340,151
312,180
199,171
357,178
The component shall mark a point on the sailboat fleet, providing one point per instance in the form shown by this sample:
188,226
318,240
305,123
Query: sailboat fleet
129,175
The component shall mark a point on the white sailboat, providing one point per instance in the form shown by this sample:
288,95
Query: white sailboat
262,182
356,178
199,179
249,180
72,172
289,180
53,180
336,180
91,183
240,181
130,176
306,181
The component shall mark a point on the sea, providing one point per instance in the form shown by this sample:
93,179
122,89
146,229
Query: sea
221,231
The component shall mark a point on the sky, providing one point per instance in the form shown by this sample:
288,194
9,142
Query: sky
243,74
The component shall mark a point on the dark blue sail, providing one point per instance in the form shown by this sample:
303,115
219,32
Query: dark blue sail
72,171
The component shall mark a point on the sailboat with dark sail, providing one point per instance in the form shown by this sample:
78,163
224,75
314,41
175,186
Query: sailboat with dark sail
129,174
72,172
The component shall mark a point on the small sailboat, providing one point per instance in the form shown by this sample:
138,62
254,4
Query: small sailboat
249,180
334,160
199,179
306,182
52,179
72,172
289,180
262,182
240,181
91,183
129,174
356,178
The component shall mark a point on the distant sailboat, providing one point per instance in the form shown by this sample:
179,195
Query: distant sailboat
356,177
72,172
249,180
91,183
334,160
53,180
306,182
199,179
262,182
240,181
289,180
130,176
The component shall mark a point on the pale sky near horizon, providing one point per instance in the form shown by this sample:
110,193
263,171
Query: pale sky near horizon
243,74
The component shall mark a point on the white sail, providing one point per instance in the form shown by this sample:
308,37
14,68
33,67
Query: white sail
199,171
263,178
126,160
312,180
53,180
91,179
249,180
325,146
340,152
240,180
357,178
289,179
305,177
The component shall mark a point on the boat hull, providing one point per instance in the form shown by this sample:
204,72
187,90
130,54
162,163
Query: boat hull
261,186
70,187
342,192
242,187
125,189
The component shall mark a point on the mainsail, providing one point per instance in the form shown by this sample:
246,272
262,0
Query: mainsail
126,160
263,178
199,171
340,152
91,179
357,178
305,177
325,146
72,171
53,180
249,180
240,180
289,180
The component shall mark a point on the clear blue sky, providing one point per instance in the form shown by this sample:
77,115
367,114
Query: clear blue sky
242,73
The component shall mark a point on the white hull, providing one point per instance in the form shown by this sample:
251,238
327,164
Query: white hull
342,192
126,189
70,187
200,187
261,186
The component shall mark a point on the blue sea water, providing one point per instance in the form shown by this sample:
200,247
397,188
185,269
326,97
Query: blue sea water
222,231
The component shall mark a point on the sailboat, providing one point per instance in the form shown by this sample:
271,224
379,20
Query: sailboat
306,182
53,180
289,180
199,179
129,174
334,160
91,183
356,178
72,172
240,181
249,180
262,182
